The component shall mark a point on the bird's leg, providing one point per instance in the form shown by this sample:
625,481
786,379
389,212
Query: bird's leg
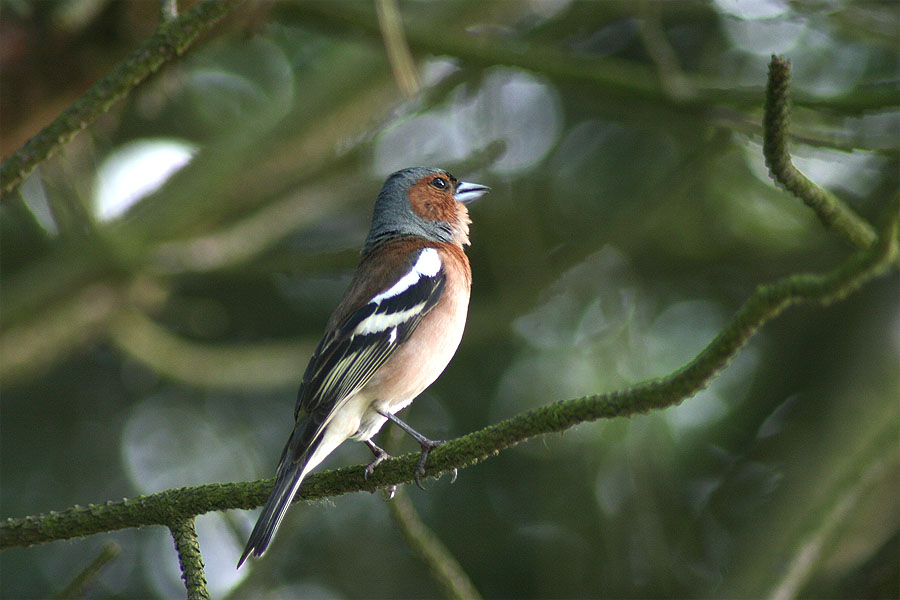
380,455
426,444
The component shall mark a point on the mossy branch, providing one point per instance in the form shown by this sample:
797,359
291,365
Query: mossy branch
184,533
834,213
767,302
173,36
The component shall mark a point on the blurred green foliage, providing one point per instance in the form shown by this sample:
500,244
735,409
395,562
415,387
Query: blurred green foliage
630,215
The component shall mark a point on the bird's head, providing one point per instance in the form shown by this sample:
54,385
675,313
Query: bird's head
424,202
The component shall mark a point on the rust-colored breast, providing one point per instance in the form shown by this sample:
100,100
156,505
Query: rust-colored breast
456,265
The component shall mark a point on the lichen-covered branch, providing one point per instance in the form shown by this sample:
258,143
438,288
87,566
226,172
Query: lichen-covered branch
184,533
834,213
767,302
171,39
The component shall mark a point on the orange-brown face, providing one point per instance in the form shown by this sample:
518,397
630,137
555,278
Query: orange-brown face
432,199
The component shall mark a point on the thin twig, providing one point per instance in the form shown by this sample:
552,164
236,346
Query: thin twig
673,80
834,213
402,63
168,10
108,553
428,547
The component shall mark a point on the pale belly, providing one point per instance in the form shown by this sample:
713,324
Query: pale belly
430,349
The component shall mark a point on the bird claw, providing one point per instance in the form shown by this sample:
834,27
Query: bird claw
419,473
370,468
380,457
427,446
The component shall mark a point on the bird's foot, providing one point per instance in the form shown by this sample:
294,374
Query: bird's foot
427,446
380,457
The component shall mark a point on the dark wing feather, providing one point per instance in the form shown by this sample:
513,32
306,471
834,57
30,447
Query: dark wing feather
346,359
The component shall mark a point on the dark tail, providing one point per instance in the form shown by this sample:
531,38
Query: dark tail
287,482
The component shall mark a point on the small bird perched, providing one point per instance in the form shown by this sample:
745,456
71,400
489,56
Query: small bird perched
392,335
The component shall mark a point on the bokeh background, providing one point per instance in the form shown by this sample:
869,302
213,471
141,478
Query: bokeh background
166,275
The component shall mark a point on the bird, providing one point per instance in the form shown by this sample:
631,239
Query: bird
393,333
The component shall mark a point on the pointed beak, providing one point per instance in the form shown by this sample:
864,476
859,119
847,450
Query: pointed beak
466,192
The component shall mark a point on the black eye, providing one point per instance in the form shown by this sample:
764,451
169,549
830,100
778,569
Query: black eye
439,183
